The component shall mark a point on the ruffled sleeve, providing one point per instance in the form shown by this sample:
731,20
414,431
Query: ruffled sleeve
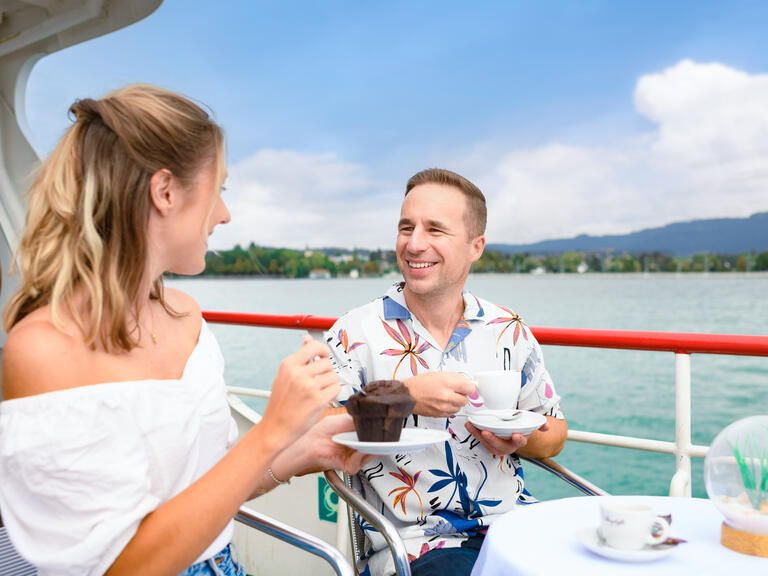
74,480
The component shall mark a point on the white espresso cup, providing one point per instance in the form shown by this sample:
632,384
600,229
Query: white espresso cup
631,527
499,389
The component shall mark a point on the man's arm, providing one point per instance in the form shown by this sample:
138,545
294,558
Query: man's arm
546,443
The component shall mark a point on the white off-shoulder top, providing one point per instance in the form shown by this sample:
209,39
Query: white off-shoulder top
80,468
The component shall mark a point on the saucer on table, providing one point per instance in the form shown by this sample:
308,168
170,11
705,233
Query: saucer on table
523,422
593,542
411,440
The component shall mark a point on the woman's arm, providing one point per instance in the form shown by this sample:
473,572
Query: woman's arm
172,537
315,451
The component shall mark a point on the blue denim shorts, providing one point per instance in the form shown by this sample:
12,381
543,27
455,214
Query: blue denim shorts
222,564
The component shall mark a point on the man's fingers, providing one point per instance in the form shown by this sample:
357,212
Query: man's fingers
456,402
503,446
463,386
496,445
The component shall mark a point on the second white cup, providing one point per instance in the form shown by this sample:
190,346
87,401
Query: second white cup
499,389
631,527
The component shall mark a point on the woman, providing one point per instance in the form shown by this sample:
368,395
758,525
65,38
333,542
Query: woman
117,449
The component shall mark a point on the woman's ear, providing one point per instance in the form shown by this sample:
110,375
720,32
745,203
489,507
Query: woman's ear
161,191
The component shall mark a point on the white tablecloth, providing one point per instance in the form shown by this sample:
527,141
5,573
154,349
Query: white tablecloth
540,539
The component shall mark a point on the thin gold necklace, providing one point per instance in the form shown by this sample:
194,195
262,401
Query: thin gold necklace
152,329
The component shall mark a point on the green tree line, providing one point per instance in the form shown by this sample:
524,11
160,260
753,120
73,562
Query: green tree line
570,262
288,263
285,262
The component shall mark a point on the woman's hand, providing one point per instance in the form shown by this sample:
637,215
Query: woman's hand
304,385
315,451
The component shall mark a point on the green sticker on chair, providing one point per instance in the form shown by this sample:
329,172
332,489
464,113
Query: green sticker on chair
327,501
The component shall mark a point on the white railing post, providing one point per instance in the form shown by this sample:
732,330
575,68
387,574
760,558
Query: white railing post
681,481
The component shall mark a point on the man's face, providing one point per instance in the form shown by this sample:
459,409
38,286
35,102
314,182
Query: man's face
433,248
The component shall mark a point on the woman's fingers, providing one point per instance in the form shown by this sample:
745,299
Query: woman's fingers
355,461
321,366
330,392
310,350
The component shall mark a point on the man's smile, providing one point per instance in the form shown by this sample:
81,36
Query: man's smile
420,265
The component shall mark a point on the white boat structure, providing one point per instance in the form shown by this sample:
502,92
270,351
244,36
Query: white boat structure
304,511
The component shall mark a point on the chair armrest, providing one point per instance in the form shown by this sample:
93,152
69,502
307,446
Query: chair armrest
384,526
567,476
296,537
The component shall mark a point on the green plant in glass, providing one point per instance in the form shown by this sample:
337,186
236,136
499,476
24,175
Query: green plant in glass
753,467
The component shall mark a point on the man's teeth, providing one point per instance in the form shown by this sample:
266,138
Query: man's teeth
421,264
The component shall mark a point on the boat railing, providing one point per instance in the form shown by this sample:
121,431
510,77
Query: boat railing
682,345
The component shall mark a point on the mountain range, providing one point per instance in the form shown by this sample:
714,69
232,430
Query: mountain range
716,235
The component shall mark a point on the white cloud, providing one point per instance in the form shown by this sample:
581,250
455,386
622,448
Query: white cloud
286,198
705,155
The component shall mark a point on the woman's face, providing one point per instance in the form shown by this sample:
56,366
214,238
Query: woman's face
202,209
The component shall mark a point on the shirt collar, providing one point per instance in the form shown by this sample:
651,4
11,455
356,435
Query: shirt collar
395,307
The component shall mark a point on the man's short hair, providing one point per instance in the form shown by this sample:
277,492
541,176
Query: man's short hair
476,215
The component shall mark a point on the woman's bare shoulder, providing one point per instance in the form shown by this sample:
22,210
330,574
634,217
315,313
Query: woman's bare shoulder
182,302
188,308
38,357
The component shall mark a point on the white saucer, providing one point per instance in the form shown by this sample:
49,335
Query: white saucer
594,543
523,423
411,440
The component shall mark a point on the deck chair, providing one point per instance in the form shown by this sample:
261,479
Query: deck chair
357,505
11,564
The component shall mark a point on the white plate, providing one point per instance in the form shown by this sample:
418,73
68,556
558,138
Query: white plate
594,543
523,423
411,440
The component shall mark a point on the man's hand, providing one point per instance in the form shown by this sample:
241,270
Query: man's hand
439,393
502,446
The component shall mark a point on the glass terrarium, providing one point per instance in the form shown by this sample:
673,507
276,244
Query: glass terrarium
736,475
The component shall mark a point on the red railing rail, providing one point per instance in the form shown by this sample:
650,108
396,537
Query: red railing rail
678,342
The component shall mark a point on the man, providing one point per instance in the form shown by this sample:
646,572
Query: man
430,333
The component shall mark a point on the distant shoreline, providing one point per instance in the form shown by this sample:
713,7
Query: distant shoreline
756,275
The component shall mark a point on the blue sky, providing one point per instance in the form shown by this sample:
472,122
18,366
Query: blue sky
573,117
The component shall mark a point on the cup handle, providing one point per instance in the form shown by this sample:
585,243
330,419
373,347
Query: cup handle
659,531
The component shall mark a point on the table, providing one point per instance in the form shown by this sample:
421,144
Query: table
540,539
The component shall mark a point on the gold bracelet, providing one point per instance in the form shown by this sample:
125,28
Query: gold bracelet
275,479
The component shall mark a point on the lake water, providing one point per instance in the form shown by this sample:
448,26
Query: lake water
610,391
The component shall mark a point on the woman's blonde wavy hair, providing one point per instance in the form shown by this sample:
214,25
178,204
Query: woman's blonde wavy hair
89,207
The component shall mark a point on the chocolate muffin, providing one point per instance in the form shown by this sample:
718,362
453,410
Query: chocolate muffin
380,410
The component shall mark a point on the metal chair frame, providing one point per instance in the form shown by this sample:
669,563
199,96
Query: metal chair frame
356,504
11,564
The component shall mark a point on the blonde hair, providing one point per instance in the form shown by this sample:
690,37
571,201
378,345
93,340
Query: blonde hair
89,206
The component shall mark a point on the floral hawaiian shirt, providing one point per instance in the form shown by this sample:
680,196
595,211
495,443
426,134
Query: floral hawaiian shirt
438,497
